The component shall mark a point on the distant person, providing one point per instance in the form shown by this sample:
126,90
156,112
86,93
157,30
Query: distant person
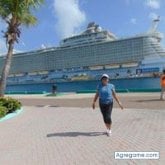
54,89
162,83
106,93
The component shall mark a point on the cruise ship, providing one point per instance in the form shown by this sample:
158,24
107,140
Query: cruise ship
82,59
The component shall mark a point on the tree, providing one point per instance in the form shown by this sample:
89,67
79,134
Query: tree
15,13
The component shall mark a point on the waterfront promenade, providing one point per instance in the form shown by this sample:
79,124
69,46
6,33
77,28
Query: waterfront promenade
64,130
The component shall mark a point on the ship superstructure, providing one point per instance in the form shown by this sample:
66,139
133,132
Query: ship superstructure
89,54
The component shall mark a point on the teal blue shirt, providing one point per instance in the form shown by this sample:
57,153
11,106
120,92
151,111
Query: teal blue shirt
105,93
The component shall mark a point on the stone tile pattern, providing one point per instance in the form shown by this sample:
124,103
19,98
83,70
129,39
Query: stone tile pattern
75,136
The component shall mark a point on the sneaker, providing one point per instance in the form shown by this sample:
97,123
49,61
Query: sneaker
109,132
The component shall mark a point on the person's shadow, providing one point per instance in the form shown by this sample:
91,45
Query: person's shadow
74,134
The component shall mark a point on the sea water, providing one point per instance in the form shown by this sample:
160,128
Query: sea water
120,84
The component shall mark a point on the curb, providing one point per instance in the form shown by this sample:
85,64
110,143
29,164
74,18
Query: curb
11,115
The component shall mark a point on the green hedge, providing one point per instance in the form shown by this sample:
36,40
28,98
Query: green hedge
3,111
8,105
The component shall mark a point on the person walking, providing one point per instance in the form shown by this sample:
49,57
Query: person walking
106,93
54,89
162,84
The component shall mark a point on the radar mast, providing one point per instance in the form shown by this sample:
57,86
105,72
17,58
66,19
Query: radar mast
155,24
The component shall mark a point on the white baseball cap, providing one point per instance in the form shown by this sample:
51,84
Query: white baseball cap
104,76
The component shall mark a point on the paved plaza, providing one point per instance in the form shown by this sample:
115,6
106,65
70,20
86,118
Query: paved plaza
53,135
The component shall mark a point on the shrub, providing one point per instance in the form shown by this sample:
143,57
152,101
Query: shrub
2,101
3,111
10,104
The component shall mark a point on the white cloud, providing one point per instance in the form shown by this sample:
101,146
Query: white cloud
133,21
69,16
153,4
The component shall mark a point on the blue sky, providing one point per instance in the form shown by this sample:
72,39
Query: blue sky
62,18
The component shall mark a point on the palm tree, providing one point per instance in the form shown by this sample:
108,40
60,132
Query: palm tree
15,13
